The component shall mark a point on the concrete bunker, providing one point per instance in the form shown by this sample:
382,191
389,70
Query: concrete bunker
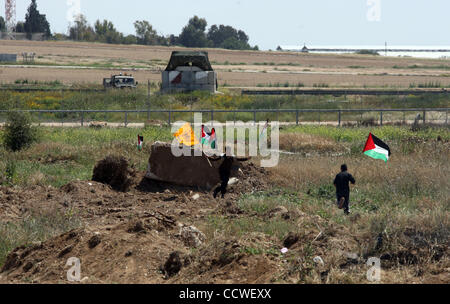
192,171
189,71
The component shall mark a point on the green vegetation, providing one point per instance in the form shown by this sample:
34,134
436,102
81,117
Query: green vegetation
367,52
63,155
36,22
430,84
35,228
2,24
138,100
193,34
227,37
359,134
401,200
320,85
280,85
18,132
425,67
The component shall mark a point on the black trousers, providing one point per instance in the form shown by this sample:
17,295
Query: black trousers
347,201
223,186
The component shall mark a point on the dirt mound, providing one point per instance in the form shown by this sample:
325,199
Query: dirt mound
132,237
173,264
225,261
106,254
251,178
114,171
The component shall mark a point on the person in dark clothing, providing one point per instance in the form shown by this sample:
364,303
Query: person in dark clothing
341,182
225,170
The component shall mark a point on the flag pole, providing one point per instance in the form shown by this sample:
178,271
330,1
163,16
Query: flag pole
206,156
203,152
208,160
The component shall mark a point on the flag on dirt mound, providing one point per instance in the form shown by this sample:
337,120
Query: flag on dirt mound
140,142
212,139
205,135
185,136
209,138
376,148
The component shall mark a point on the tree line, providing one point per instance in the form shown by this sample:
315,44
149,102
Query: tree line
194,34
35,22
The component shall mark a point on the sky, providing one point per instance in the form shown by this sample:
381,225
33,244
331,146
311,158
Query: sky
270,23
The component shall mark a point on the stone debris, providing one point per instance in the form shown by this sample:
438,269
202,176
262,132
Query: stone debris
192,237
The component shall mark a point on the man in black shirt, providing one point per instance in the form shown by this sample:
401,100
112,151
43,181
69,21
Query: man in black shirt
225,170
341,182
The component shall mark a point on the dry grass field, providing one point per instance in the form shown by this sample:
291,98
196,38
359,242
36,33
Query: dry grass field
90,62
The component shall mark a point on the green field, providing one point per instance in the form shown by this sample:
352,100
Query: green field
138,100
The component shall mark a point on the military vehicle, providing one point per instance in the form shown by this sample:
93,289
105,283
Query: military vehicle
120,81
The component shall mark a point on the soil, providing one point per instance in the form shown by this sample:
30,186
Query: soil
127,237
135,237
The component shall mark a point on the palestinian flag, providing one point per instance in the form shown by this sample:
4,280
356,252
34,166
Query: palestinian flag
209,138
212,139
205,135
140,142
376,148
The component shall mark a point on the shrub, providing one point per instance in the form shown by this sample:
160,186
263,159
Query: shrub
11,169
19,132
367,52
